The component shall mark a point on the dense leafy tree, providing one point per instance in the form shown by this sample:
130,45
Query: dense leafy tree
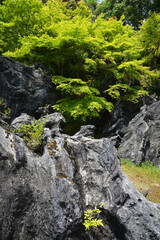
111,8
134,11
81,101
71,4
150,39
92,4
149,36
93,61
17,20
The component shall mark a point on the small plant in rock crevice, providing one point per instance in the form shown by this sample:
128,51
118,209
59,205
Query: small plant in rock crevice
3,110
32,133
91,218
6,112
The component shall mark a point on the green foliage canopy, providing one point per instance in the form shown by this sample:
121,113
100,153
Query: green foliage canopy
80,101
91,61
134,11
17,20
150,39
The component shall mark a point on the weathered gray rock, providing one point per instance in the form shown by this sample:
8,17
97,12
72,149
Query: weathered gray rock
141,141
25,88
55,122
43,197
115,127
3,123
23,119
86,131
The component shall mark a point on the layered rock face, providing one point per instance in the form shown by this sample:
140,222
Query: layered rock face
116,126
25,88
141,141
44,197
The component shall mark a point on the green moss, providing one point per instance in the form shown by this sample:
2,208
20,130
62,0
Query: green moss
52,146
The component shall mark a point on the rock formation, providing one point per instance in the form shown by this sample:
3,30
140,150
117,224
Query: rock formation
44,197
116,125
141,141
25,89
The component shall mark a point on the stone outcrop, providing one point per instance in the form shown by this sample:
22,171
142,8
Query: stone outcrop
141,141
25,89
23,119
115,126
44,197
43,194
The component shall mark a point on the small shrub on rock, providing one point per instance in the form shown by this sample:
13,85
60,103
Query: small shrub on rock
32,133
91,218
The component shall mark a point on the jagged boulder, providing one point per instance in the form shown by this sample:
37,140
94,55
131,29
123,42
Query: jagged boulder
44,197
141,141
3,123
121,115
23,119
115,126
25,89
55,122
